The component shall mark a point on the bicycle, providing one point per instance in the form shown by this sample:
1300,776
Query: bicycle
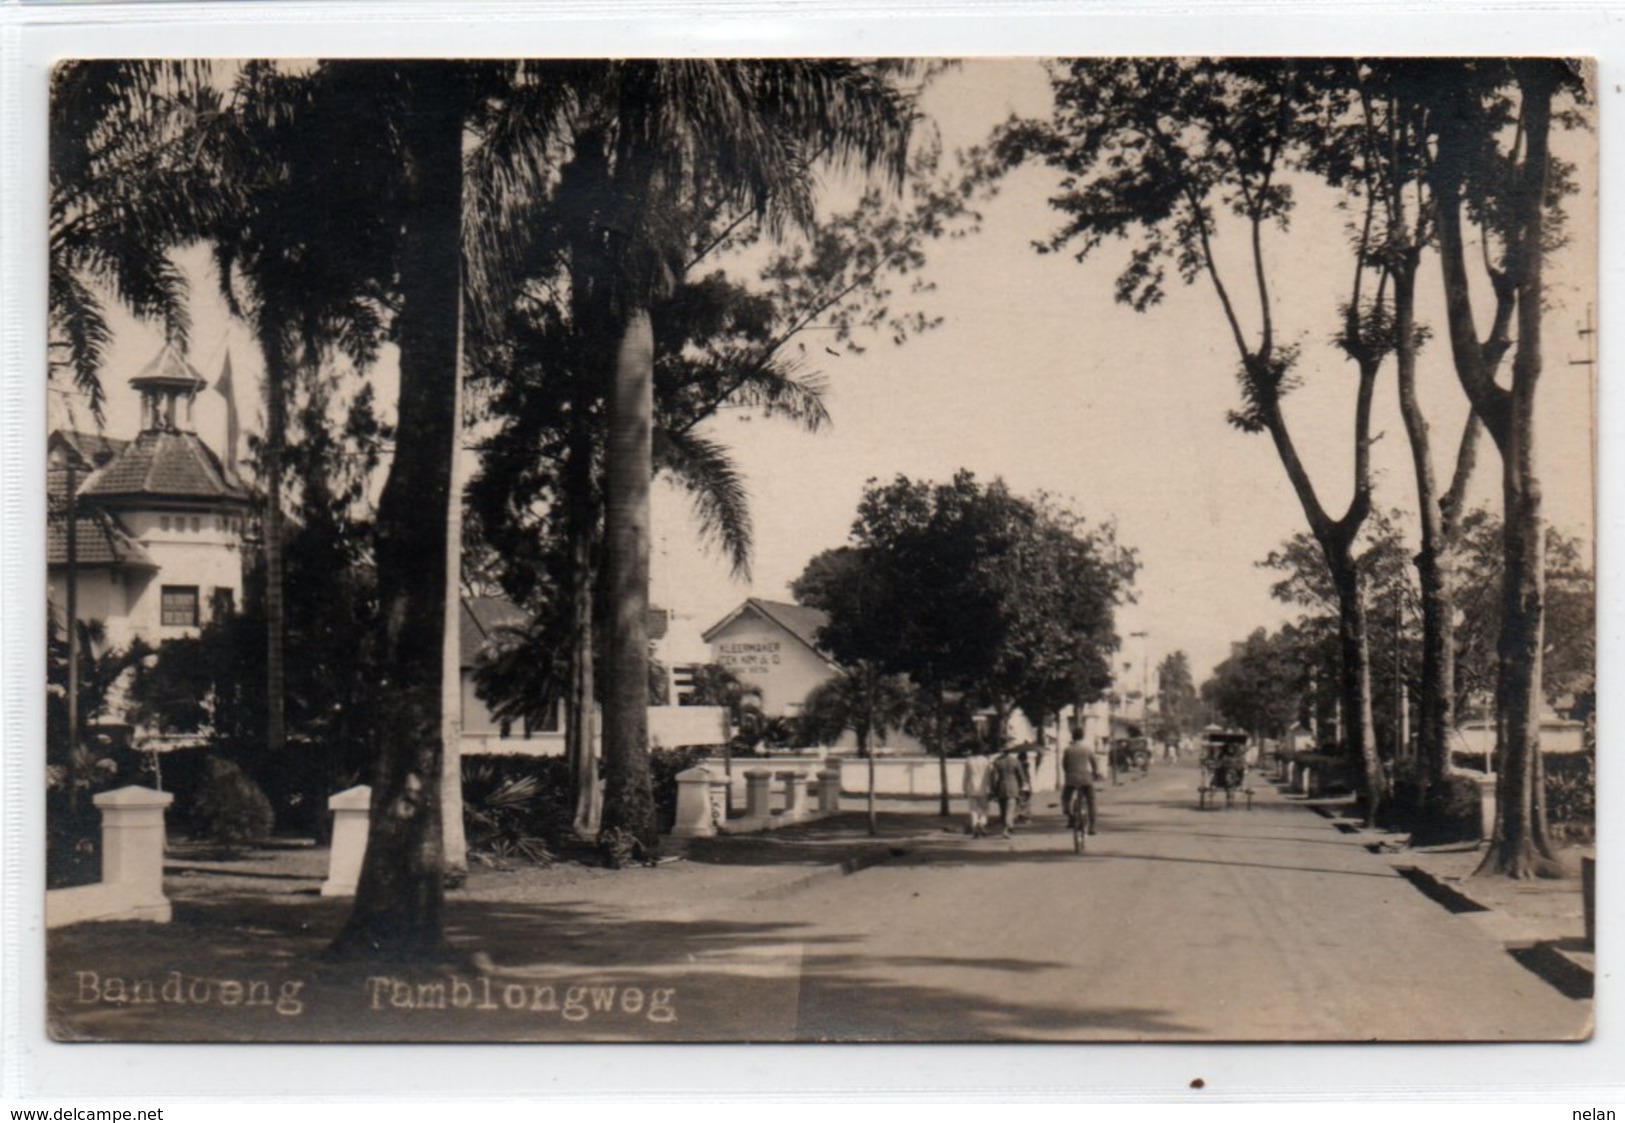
1077,813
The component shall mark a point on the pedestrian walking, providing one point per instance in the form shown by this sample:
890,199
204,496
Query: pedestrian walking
1106,761
978,785
1025,809
1007,788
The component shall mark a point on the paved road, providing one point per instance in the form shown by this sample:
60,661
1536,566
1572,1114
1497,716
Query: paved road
1178,925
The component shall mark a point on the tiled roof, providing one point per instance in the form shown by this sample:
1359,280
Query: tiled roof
797,619
101,541
170,368
90,448
164,464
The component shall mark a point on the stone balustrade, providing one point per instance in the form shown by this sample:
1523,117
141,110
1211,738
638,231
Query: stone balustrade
795,795
758,794
829,791
773,799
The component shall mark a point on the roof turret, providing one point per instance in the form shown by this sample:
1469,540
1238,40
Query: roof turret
169,370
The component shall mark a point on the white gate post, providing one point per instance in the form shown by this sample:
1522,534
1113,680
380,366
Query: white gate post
694,804
133,844
350,809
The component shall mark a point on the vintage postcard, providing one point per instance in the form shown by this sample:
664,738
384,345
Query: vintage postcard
821,550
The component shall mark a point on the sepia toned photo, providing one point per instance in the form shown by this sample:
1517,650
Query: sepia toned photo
821,550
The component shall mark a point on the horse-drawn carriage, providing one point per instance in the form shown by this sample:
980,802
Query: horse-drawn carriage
1224,765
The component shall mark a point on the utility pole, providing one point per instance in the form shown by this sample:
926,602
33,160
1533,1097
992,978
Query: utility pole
1588,336
73,625
1400,700
1145,681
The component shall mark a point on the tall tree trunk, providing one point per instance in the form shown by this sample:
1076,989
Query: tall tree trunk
579,712
1520,847
868,753
1354,683
596,328
400,895
628,798
72,620
451,677
1435,571
942,751
278,385
1336,539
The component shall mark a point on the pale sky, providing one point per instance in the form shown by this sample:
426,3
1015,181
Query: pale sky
1037,375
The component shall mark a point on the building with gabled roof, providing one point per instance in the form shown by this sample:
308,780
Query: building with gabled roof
157,521
772,647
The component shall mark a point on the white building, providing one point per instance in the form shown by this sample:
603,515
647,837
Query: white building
772,647
158,521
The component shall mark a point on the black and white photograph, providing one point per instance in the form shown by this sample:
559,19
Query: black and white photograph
821,549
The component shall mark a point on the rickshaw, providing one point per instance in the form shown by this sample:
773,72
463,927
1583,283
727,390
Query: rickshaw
1224,765
1131,754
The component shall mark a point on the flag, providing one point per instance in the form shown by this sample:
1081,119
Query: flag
224,387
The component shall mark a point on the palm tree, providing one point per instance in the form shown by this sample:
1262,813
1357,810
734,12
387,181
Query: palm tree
865,700
127,186
306,284
739,131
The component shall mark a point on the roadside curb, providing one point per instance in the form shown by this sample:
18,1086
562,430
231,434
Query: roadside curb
844,868
1560,966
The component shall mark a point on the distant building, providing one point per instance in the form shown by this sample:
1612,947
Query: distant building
480,627
158,521
773,647
1557,735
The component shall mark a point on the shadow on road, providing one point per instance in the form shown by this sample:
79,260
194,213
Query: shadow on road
522,966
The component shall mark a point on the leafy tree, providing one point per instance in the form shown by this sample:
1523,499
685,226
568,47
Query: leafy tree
1061,589
865,700
1383,559
308,278
713,341
97,674
1493,166
1176,151
1568,657
974,594
681,131
1377,145
1179,706
1261,686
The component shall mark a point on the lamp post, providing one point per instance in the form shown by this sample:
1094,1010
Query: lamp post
1145,682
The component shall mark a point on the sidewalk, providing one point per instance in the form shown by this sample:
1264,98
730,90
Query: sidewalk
1541,921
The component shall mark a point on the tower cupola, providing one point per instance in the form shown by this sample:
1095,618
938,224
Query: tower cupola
168,387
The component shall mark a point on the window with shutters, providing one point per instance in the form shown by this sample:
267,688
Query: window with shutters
179,607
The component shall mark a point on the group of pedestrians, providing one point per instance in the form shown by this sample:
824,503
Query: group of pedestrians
1006,778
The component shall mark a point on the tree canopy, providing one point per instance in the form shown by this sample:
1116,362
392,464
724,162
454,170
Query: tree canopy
968,588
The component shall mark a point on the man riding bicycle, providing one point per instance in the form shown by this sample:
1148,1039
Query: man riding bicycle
1080,770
